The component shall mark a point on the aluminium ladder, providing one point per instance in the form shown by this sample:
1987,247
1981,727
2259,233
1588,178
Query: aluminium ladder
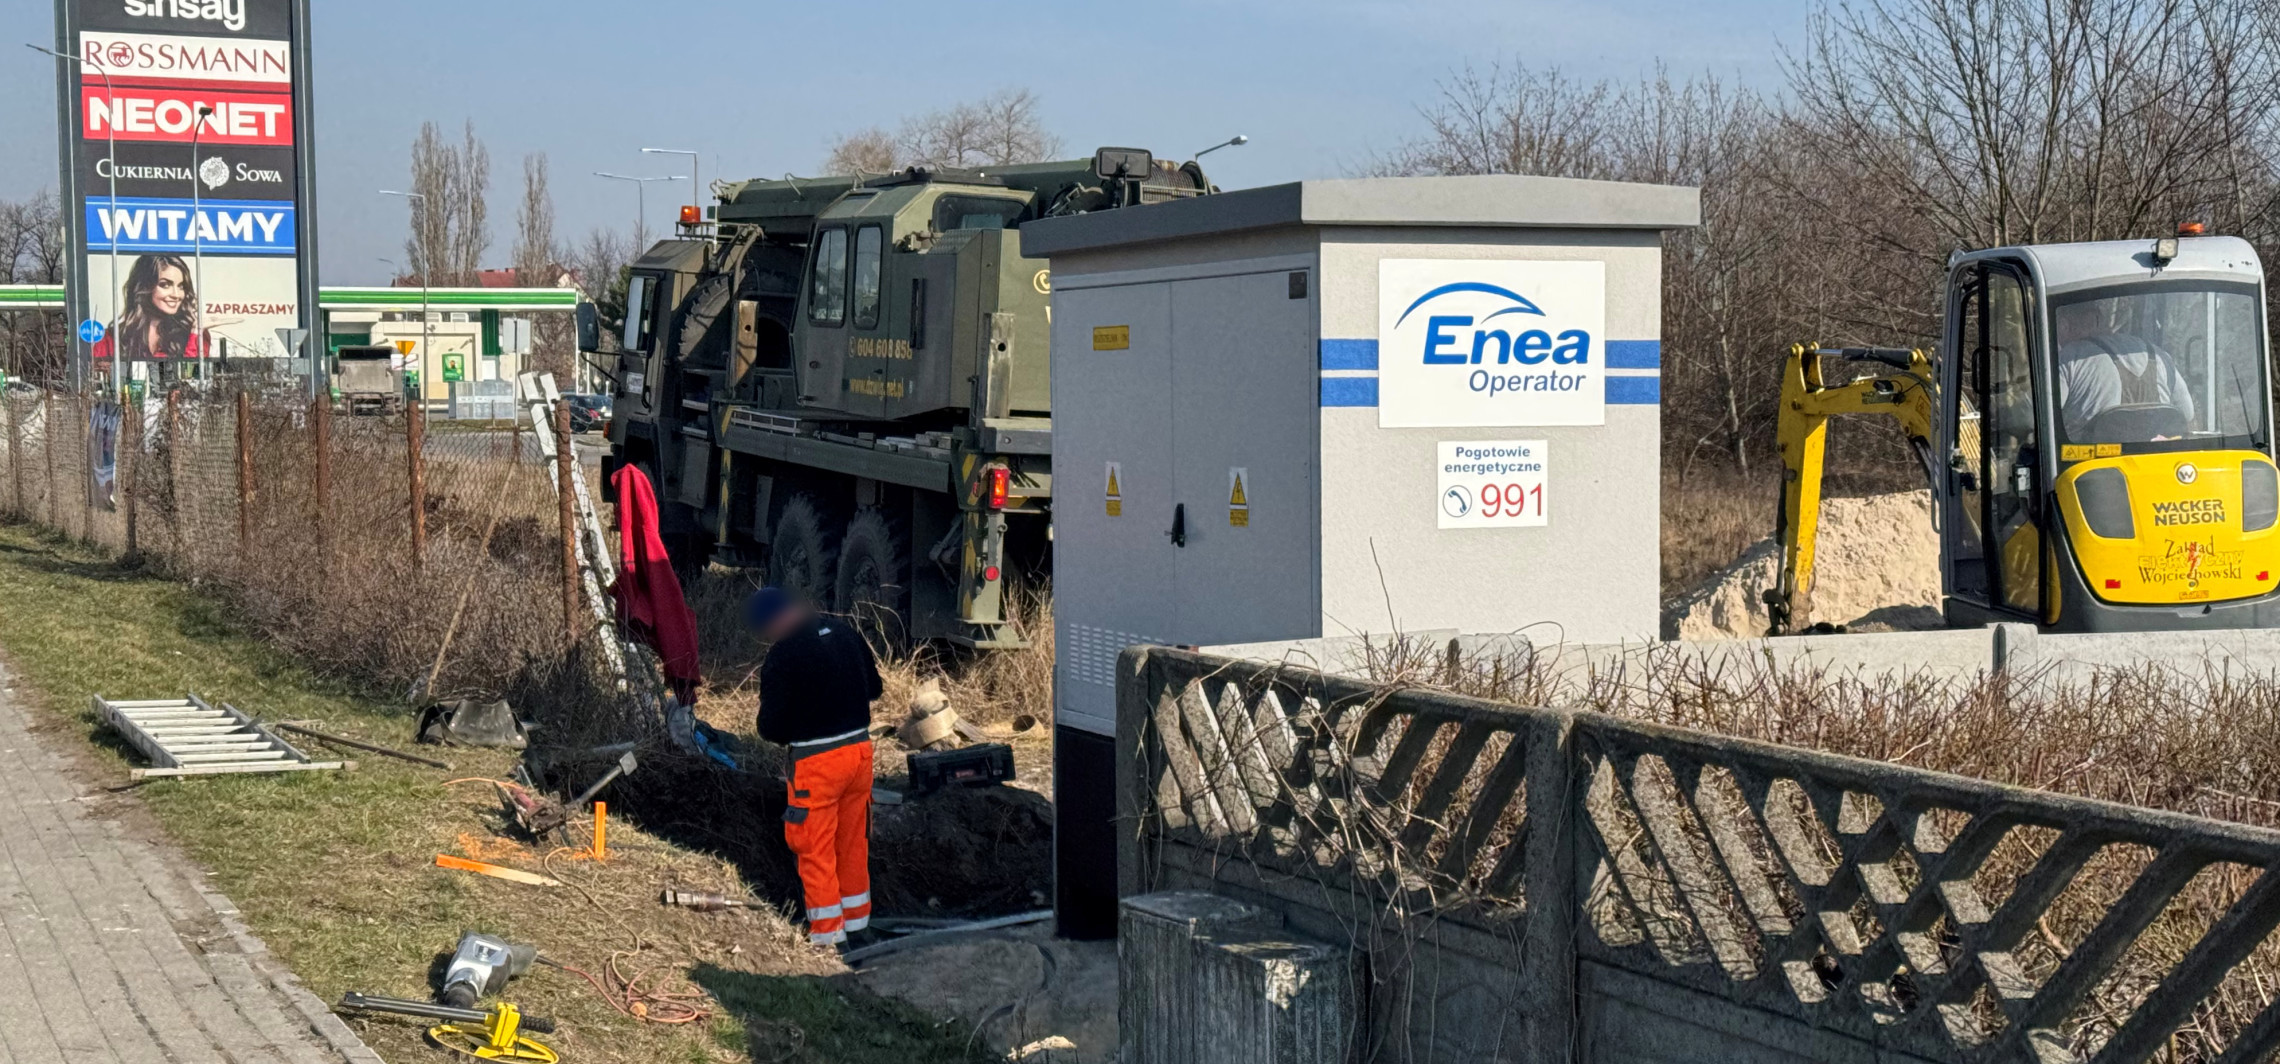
189,737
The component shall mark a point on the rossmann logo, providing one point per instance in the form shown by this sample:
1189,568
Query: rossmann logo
1491,342
230,13
1464,340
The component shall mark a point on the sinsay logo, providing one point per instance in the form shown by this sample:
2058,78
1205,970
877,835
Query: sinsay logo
1469,342
230,13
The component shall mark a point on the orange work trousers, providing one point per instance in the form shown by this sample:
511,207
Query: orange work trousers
828,825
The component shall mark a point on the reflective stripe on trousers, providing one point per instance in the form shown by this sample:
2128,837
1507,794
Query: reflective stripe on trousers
827,823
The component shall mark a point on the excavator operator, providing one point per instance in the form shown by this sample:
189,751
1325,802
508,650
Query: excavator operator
2115,387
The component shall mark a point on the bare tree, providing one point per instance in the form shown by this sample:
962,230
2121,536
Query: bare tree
451,217
31,252
867,151
535,251
1001,129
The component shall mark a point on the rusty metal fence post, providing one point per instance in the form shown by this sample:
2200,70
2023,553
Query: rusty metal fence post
415,440
84,427
124,470
245,475
47,449
16,453
320,440
566,469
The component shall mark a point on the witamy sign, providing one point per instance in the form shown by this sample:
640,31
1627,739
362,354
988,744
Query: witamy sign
1487,342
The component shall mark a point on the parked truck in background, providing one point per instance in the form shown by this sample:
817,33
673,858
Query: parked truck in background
367,380
844,380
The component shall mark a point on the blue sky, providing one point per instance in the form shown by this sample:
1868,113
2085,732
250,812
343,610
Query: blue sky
761,88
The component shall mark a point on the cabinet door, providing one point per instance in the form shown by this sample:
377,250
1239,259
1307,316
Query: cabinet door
1112,403
1246,397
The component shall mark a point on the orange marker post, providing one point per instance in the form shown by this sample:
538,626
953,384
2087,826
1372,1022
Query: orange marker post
601,831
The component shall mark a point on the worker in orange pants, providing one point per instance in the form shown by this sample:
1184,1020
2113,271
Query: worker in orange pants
816,689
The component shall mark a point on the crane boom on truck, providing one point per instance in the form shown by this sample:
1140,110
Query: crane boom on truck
845,380
2096,430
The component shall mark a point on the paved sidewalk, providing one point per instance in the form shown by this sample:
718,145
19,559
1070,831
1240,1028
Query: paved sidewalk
114,949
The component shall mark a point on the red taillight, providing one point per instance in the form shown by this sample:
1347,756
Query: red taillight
1001,487
990,574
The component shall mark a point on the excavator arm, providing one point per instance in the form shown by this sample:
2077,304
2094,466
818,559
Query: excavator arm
1807,403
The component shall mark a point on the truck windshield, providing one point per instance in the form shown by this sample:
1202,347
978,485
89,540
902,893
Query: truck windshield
2159,364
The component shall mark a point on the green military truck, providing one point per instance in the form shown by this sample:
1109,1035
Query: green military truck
843,380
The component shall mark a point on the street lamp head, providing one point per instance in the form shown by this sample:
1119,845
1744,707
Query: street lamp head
1236,141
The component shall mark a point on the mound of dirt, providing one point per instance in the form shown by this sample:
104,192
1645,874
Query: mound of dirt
1878,566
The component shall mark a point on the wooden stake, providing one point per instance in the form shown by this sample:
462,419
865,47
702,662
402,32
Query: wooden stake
565,470
415,435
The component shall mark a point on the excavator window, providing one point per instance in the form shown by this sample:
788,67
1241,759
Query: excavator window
2158,367
2012,471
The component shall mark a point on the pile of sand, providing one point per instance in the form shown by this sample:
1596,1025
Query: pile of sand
1878,567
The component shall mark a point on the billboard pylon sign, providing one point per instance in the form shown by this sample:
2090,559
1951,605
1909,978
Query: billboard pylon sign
188,178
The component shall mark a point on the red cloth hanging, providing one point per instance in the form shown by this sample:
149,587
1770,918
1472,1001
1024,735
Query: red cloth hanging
650,603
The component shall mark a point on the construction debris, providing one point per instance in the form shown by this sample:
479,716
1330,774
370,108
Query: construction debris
187,737
932,723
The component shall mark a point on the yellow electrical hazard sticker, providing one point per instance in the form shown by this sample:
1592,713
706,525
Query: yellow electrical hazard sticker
1112,337
1238,498
1115,489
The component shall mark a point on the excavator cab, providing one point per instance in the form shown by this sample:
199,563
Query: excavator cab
2096,429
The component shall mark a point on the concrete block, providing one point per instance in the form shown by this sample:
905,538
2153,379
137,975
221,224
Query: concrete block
1269,998
1156,968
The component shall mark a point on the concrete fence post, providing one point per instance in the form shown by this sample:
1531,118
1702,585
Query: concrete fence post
83,426
174,444
1553,882
565,496
415,441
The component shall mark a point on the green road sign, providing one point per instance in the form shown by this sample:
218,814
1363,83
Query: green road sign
454,367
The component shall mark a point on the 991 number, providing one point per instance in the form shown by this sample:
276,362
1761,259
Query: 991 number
1512,500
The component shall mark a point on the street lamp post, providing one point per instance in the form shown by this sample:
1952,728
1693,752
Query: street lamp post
640,201
427,267
197,245
696,191
111,134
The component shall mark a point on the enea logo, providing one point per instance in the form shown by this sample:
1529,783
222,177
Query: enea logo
1490,342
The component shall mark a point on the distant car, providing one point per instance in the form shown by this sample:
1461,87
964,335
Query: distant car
588,412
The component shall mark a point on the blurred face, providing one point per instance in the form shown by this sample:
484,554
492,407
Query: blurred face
167,295
785,623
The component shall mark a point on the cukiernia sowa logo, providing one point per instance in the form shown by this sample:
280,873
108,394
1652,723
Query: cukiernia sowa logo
1473,342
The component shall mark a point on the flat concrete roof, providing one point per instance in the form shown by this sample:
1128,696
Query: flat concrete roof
1484,201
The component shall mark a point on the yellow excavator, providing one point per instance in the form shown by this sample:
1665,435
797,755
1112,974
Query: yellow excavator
2096,428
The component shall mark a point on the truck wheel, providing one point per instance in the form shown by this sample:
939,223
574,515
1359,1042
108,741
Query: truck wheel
800,556
872,562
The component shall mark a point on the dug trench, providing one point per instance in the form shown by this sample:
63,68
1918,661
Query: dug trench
959,852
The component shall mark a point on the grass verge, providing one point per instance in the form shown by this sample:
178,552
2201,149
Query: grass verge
335,870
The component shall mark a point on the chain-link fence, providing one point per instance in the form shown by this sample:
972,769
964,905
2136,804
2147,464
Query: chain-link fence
355,542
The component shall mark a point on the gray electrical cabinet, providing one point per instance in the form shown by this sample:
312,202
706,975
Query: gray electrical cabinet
1345,407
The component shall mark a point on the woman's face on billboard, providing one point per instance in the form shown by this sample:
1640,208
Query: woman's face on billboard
167,294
